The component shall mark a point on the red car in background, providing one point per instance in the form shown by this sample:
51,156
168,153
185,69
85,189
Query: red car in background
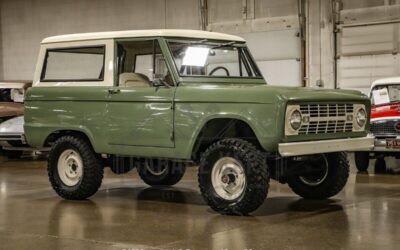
385,124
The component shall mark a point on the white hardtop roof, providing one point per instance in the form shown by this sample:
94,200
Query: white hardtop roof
385,81
143,33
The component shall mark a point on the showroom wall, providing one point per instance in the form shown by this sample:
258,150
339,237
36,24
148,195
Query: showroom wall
273,32
325,43
24,23
368,43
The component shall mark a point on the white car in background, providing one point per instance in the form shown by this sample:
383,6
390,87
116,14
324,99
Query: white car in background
12,95
12,138
385,124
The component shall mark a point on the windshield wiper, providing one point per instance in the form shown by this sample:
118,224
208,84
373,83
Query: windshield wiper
230,44
198,42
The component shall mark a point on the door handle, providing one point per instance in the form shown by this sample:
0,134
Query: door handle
113,91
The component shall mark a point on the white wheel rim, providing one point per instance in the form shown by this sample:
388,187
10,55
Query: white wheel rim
228,178
319,180
154,172
70,167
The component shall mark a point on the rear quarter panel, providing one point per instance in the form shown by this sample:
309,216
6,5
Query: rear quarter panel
50,109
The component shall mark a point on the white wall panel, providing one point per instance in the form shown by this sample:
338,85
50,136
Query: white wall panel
274,45
358,72
281,72
274,8
371,39
272,34
278,55
367,53
24,23
354,4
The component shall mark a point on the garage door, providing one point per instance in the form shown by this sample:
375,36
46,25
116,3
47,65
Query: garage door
366,53
272,31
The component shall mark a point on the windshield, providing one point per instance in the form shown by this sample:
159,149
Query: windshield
215,59
385,94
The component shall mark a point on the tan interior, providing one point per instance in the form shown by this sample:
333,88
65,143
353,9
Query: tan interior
133,80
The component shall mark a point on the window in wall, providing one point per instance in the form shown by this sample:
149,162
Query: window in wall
140,63
74,64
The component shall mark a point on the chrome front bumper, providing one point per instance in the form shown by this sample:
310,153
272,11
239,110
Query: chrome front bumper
326,146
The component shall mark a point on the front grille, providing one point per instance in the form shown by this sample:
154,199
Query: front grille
326,118
386,127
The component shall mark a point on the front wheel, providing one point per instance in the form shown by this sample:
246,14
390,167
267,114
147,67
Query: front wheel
75,170
328,176
233,177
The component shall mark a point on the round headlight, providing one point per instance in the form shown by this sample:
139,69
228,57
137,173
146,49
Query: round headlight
295,119
361,117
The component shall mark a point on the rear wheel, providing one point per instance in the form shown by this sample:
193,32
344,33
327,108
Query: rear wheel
155,172
75,170
233,177
362,160
329,176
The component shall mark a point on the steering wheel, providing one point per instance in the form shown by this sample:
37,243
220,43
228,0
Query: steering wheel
218,68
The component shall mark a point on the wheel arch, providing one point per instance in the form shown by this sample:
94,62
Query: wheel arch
55,135
219,127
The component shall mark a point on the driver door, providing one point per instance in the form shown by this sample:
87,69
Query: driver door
139,110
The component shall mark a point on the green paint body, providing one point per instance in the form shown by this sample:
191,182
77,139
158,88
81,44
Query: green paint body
165,122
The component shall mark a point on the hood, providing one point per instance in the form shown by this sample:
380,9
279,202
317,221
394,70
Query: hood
8,109
299,94
262,93
385,111
13,126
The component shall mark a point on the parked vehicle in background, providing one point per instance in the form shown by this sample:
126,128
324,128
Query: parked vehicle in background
385,124
161,99
12,139
12,95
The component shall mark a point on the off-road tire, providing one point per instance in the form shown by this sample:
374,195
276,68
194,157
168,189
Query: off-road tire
380,166
92,169
255,171
172,175
338,173
362,160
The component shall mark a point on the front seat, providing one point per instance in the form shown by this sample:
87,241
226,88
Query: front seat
134,80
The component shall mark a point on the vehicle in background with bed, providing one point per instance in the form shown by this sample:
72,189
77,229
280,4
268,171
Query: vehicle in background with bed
385,124
12,95
158,100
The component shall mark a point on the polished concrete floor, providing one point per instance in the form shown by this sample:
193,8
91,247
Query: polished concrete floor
127,214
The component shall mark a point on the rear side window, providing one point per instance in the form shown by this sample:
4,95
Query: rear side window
74,64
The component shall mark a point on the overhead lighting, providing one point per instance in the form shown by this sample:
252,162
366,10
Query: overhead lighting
195,56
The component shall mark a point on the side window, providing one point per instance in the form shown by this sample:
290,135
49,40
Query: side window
74,64
140,63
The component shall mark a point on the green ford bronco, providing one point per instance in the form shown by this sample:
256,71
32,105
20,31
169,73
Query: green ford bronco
160,100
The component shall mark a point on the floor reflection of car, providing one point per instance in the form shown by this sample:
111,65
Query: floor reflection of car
385,124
